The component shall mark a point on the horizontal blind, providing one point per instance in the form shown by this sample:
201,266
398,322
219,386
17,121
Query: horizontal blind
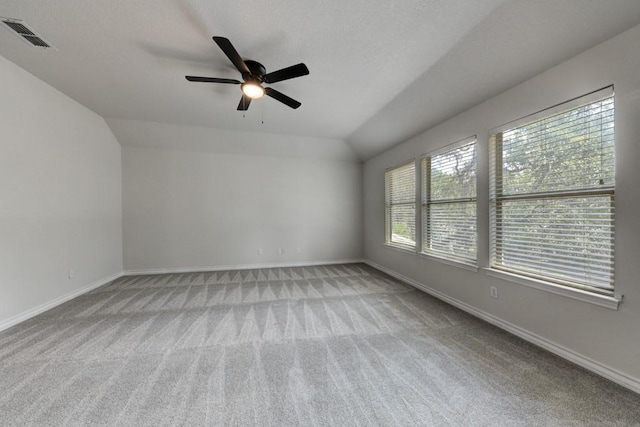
552,198
449,204
400,209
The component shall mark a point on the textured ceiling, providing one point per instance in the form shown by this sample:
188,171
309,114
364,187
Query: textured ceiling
381,71
516,42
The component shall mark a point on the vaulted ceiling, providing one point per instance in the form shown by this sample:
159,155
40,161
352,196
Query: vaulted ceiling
381,71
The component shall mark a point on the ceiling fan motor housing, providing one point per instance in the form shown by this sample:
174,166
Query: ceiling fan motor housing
256,68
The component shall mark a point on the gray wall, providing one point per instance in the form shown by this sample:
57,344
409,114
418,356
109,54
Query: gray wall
223,195
60,187
601,336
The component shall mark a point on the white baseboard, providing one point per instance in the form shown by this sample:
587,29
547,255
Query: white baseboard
12,321
598,368
137,272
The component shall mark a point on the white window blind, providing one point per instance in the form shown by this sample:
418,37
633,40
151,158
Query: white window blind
400,201
449,203
552,195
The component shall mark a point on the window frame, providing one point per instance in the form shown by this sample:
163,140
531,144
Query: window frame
388,205
427,202
583,292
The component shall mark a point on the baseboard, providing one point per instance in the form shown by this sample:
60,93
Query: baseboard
137,272
12,321
598,368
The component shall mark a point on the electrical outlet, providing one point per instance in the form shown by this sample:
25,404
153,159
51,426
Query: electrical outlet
71,274
260,251
298,250
494,292
280,251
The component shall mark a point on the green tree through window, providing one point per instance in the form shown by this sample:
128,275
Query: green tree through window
400,206
449,203
552,197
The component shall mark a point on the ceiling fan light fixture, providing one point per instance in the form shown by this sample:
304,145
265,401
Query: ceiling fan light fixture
254,75
252,90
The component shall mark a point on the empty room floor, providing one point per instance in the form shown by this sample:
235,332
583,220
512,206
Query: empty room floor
310,346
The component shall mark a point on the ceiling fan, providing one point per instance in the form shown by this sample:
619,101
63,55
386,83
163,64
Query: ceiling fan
254,75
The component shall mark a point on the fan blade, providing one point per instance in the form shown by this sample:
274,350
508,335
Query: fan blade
279,96
212,80
245,101
232,54
286,73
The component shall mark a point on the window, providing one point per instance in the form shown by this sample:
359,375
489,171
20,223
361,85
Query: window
449,203
400,206
552,195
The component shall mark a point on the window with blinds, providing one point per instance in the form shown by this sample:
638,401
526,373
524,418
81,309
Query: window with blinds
449,203
552,195
400,206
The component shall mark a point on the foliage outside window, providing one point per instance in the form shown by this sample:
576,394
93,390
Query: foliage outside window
552,195
449,203
400,206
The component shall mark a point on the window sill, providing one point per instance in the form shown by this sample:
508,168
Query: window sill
399,248
447,261
578,294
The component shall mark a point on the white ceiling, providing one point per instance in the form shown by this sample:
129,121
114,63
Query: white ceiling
381,71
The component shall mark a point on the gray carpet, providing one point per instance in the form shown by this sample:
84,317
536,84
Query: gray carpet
334,345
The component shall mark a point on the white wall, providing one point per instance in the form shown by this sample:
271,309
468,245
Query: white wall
610,339
60,196
194,208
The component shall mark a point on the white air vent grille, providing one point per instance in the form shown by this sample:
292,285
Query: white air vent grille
19,28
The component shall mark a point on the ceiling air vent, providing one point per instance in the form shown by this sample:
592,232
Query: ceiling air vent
20,29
